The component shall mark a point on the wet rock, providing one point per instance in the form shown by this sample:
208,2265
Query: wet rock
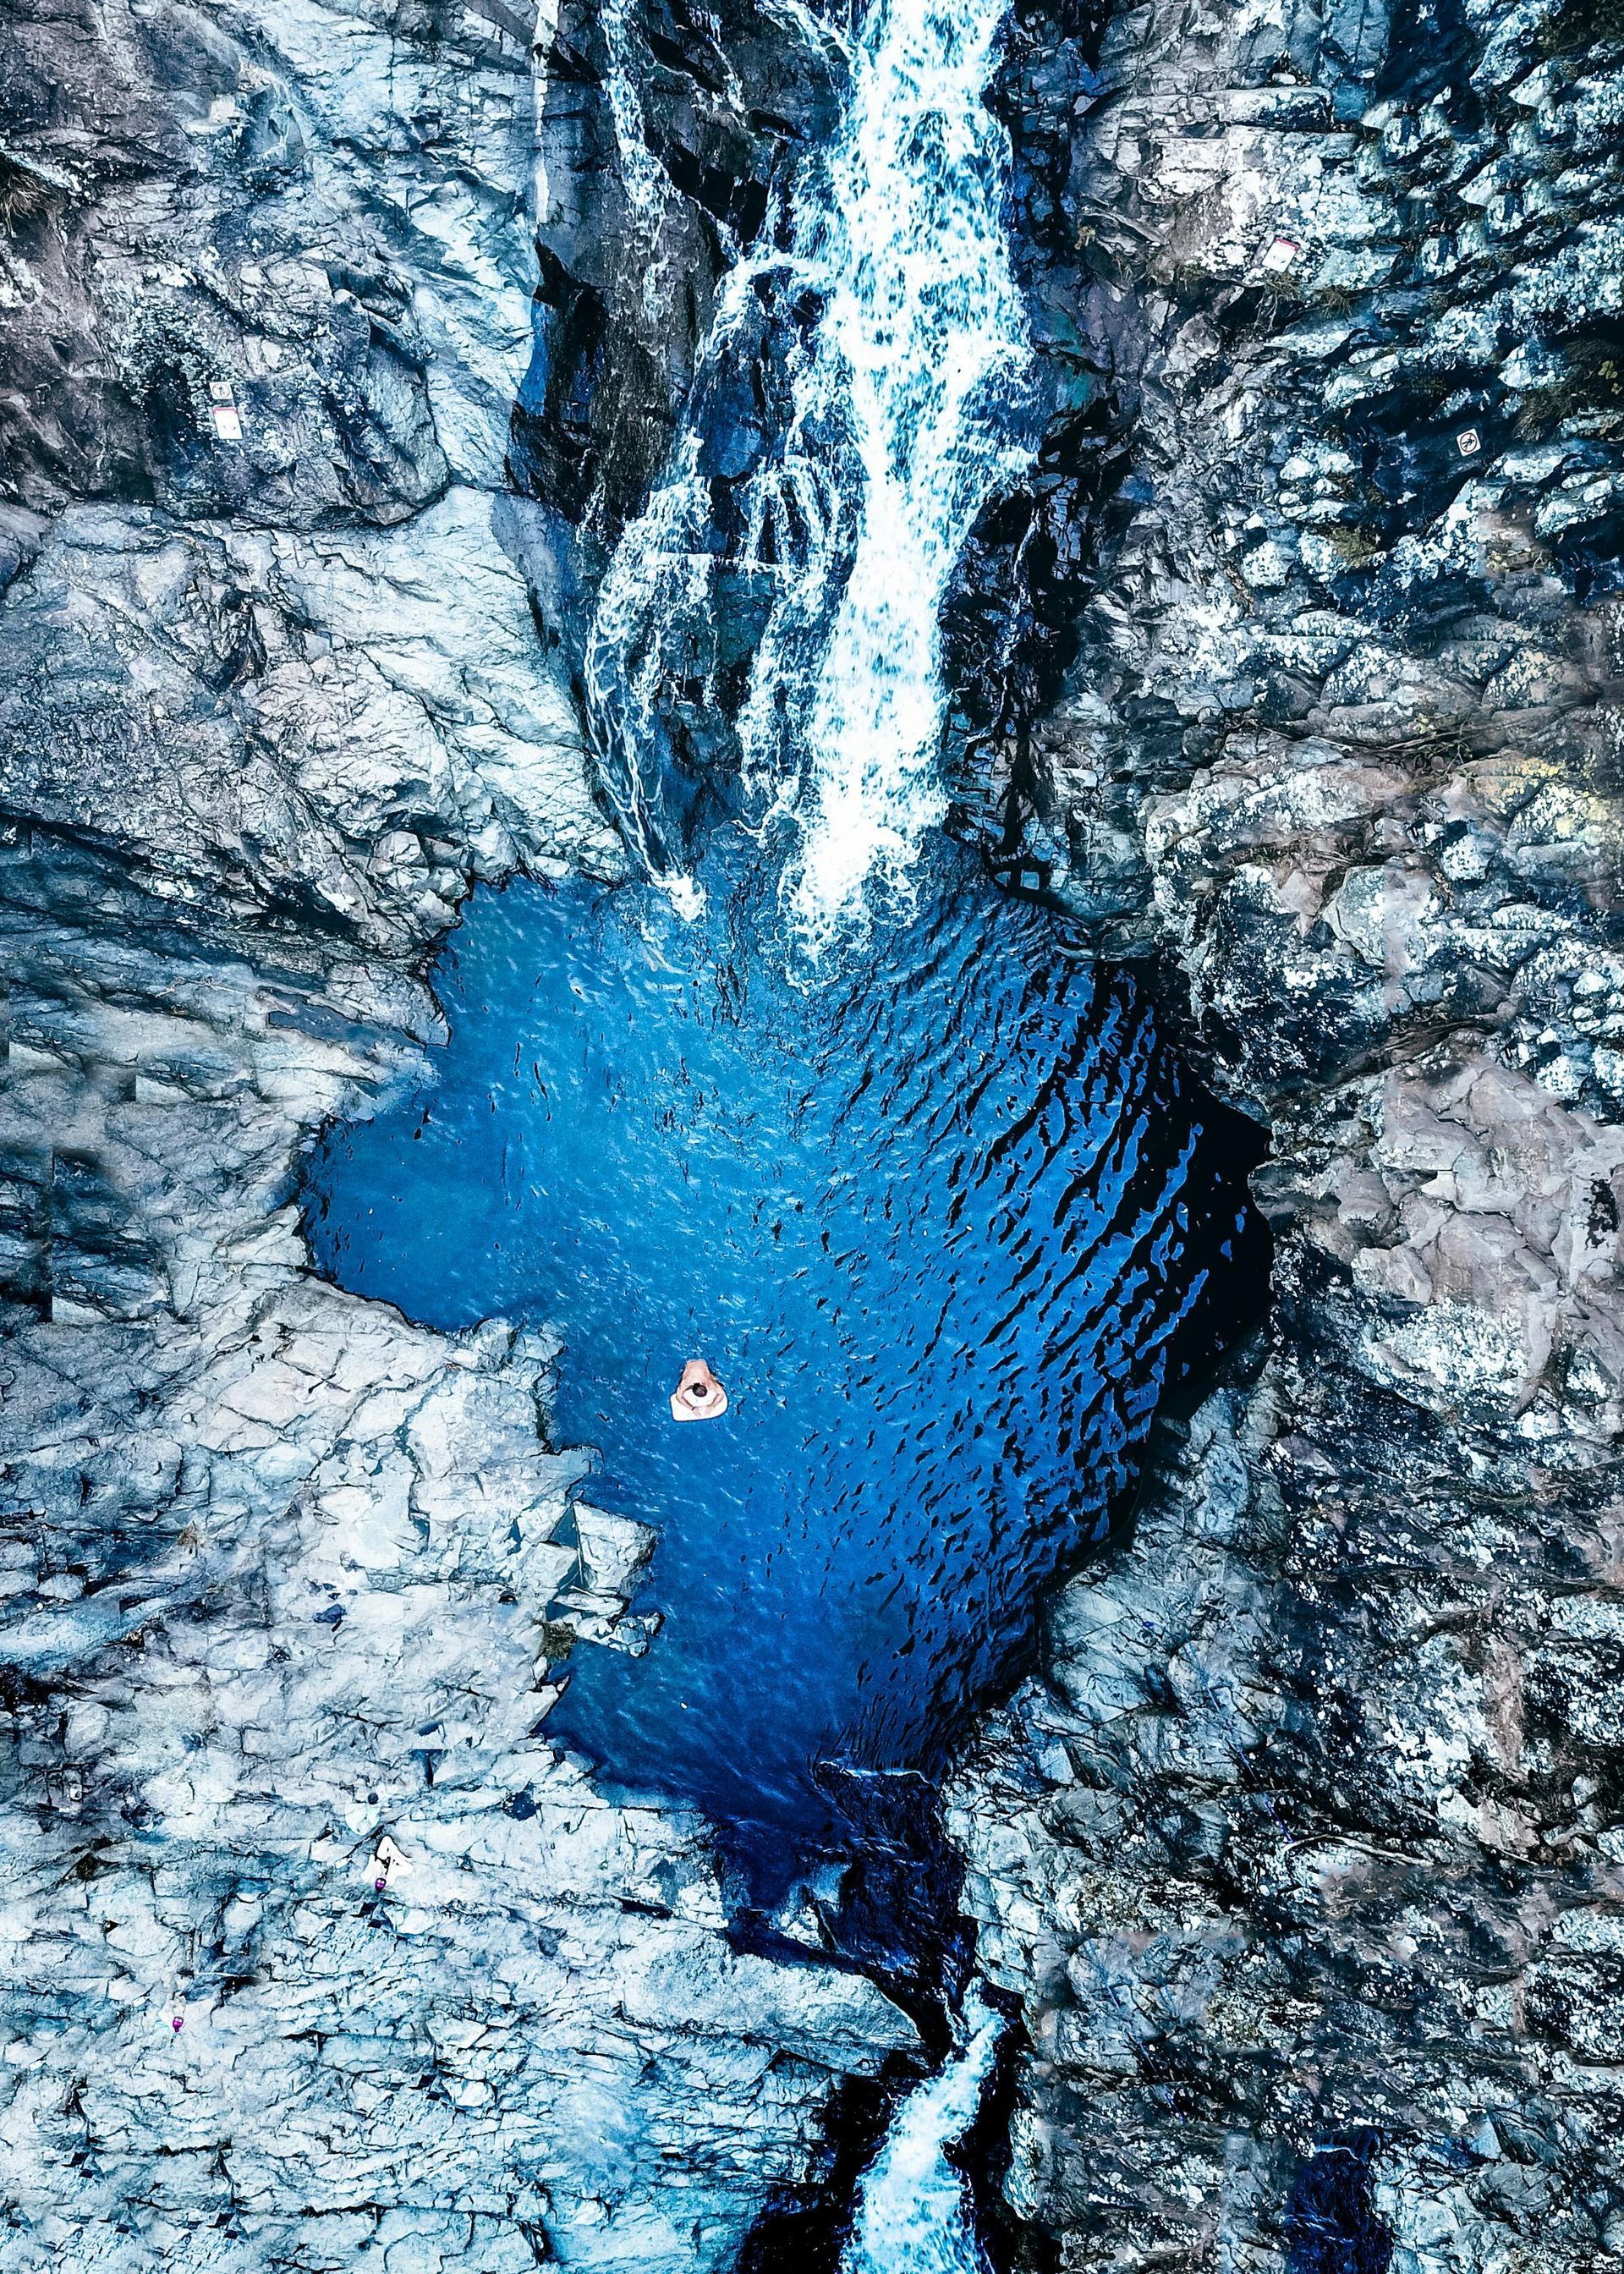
351,727
664,132
1277,1853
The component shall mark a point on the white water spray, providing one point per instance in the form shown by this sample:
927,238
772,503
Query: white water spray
640,169
928,334
912,2213
855,523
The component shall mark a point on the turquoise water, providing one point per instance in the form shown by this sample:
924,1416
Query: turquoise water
934,1212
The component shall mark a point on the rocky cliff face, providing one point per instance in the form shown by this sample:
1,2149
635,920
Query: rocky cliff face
1293,668
316,1953
1305,1854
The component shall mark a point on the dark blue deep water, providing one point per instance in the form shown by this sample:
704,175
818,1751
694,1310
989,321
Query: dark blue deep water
935,1213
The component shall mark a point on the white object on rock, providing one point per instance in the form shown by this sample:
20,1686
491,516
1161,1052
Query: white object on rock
387,1858
223,412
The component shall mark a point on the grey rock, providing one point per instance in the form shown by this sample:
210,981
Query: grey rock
1306,1842
1302,1852
283,1577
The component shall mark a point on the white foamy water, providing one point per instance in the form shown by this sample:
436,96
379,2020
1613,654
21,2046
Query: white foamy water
640,169
896,435
913,2216
925,331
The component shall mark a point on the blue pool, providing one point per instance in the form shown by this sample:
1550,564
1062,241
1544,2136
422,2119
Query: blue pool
935,1210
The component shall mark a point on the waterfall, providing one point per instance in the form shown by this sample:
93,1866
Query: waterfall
850,524
640,169
924,328
844,534
912,2213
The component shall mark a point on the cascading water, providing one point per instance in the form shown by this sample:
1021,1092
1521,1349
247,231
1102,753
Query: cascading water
902,345
640,170
925,325
912,2209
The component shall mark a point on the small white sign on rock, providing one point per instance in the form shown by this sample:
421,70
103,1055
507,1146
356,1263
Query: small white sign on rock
223,412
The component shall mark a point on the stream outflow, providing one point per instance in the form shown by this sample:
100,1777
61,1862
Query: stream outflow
914,2213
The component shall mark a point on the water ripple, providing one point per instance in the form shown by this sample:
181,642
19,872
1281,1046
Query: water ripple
934,1220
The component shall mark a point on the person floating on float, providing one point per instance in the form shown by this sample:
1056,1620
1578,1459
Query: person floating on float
699,1396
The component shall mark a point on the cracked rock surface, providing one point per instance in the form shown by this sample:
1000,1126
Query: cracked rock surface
316,1954
1292,670
1304,1853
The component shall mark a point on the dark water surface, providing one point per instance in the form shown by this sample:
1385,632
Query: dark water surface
933,1212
